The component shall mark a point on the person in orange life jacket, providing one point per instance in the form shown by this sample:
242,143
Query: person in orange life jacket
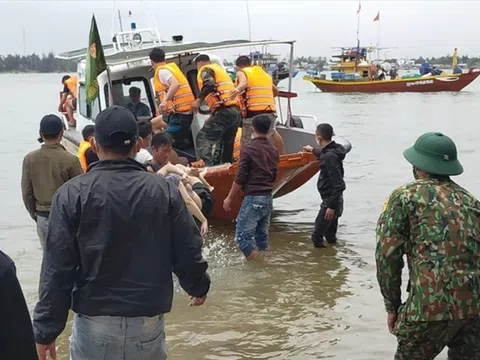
258,94
175,97
330,185
215,141
86,155
69,97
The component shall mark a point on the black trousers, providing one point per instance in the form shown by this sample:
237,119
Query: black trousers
326,229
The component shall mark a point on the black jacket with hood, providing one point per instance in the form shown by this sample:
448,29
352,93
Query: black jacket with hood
115,235
330,181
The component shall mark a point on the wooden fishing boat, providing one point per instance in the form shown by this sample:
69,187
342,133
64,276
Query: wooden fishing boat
450,82
129,65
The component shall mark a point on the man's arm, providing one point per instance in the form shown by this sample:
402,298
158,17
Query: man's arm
27,189
60,261
275,90
16,331
173,86
392,233
208,78
242,81
188,263
75,168
332,165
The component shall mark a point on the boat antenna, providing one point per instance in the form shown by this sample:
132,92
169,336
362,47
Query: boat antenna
358,34
249,24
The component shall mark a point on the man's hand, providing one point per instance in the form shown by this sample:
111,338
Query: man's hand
43,350
391,320
204,228
308,148
196,105
197,301
329,214
227,204
163,107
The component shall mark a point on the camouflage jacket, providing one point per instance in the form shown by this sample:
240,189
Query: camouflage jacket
436,224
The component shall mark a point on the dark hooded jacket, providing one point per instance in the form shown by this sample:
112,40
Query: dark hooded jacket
330,181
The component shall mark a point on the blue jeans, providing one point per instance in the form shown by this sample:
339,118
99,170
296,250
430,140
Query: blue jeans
113,338
253,222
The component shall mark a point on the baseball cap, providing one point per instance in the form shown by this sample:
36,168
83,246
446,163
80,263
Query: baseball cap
50,125
116,126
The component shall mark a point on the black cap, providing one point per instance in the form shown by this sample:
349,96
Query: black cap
50,125
116,126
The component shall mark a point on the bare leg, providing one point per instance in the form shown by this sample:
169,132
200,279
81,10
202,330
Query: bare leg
70,110
201,176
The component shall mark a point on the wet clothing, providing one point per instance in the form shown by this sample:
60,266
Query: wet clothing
44,171
330,185
205,196
179,127
253,223
216,139
116,234
426,339
258,167
16,333
436,224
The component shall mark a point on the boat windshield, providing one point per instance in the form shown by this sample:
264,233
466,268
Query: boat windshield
134,94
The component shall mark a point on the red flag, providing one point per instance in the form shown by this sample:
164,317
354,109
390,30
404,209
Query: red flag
359,7
377,18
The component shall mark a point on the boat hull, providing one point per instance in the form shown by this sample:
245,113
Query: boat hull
452,83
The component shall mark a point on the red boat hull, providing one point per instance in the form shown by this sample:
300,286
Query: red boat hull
452,83
294,171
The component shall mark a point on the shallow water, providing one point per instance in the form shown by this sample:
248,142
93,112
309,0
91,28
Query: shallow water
300,302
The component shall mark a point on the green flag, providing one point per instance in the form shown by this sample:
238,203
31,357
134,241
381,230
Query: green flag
96,63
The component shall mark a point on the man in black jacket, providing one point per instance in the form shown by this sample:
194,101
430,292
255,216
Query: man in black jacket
330,185
16,334
116,233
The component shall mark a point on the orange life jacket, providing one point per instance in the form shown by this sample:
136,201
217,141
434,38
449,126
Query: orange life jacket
238,144
82,151
223,86
71,84
183,98
258,95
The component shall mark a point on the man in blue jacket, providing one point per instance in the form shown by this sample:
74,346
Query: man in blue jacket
115,235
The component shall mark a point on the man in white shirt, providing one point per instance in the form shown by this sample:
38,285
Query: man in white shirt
145,137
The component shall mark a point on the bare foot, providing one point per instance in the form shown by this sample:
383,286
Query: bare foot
253,255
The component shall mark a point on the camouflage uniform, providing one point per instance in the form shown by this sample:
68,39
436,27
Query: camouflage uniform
216,139
436,224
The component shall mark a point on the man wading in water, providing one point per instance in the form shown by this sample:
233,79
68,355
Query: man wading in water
116,234
330,185
436,224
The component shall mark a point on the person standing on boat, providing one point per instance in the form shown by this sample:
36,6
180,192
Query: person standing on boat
215,141
136,105
257,171
69,98
85,153
175,98
44,171
436,224
116,234
257,93
330,185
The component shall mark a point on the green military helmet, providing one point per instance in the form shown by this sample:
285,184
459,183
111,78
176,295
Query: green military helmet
434,153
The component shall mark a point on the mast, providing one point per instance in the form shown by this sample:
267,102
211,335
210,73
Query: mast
358,35
24,42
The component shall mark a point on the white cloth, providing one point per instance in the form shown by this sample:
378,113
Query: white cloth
143,156
164,75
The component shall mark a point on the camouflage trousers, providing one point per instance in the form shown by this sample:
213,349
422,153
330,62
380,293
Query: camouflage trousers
425,340
247,128
216,139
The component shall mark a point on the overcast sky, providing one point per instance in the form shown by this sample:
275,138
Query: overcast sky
413,28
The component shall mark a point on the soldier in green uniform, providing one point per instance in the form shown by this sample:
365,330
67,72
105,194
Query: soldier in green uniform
436,224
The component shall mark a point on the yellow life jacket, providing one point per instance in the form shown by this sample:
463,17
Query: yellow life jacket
258,95
183,98
223,86
71,84
82,151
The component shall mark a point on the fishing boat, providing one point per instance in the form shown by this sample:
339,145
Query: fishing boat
128,65
447,82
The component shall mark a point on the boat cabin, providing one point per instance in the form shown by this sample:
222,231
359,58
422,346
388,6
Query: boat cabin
352,60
